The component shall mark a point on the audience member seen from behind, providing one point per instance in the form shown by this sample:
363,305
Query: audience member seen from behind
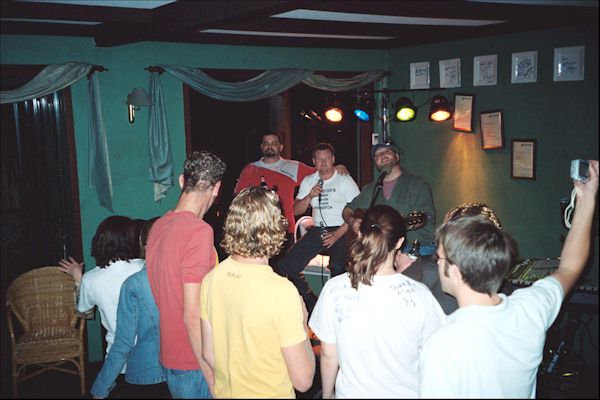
425,269
136,339
254,328
373,321
327,192
114,248
493,344
180,252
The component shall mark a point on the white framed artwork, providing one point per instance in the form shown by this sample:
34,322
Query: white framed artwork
569,63
419,75
485,70
450,73
524,67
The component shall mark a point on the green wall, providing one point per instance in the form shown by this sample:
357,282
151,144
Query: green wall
133,192
562,116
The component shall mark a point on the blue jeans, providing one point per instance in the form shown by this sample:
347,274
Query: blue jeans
187,384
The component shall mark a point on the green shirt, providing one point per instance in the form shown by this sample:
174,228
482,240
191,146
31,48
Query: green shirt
410,193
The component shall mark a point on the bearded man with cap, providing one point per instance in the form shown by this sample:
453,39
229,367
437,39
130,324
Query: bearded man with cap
400,189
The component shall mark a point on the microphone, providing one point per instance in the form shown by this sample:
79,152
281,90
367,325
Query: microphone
380,179
320,183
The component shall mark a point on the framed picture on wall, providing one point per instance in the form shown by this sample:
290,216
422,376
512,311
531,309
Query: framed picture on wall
463,112
523,158
492,130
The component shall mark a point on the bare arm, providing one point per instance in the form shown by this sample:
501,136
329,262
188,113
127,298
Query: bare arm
191,320
329,369
208,353
300,205
75,269
300,360
576,249
353,223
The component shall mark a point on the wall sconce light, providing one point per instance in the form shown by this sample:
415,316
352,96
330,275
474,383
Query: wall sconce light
137,98
404,110
441,109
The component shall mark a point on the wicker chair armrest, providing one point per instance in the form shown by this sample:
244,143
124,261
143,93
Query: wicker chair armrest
11,328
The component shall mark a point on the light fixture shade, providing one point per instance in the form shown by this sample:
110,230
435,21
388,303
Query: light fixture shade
333,111
441,109
404,110
364,108
139,97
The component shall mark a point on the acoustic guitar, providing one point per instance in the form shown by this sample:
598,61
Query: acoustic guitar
413,221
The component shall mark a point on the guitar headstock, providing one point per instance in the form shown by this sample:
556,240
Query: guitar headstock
415,220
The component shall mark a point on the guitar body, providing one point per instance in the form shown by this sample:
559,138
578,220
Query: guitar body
413,221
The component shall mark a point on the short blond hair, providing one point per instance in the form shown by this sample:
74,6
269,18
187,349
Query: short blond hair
254,226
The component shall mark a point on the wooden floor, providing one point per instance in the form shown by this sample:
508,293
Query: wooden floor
55,385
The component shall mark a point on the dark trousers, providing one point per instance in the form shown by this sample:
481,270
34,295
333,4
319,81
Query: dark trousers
292,264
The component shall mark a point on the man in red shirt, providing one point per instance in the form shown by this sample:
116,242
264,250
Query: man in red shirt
279,174
179,254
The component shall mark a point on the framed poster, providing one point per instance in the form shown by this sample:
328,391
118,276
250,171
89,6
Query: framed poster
569,63
524,67
485,70
463,112
419,75
522,165
492,130
450,73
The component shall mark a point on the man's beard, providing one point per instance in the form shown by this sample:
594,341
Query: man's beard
269,153
387,168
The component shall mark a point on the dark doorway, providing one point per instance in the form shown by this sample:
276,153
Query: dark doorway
233,131
38,185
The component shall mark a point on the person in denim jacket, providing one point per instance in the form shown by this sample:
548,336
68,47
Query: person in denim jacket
137,317
137,340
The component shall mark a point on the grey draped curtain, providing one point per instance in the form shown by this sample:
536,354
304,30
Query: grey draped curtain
57,77
159,147
266,84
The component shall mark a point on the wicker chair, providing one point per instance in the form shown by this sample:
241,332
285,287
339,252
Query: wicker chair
52,334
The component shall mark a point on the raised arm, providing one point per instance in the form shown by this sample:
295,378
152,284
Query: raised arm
576,249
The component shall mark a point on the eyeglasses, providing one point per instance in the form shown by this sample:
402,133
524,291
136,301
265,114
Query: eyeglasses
436,258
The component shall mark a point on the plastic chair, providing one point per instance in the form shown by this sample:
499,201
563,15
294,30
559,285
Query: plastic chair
303,224
52,334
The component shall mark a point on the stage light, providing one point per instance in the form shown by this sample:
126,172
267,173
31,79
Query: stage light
364,107
441,109
404,110
333,112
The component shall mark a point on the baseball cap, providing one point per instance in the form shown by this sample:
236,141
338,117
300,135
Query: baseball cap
387,145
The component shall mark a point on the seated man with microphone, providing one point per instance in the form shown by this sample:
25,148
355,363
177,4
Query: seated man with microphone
327,192
400,189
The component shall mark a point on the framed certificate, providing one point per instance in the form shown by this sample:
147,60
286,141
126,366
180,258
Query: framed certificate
463,112
523,158
492,131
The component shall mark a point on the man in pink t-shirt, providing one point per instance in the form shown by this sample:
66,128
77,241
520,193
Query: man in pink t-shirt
179,254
